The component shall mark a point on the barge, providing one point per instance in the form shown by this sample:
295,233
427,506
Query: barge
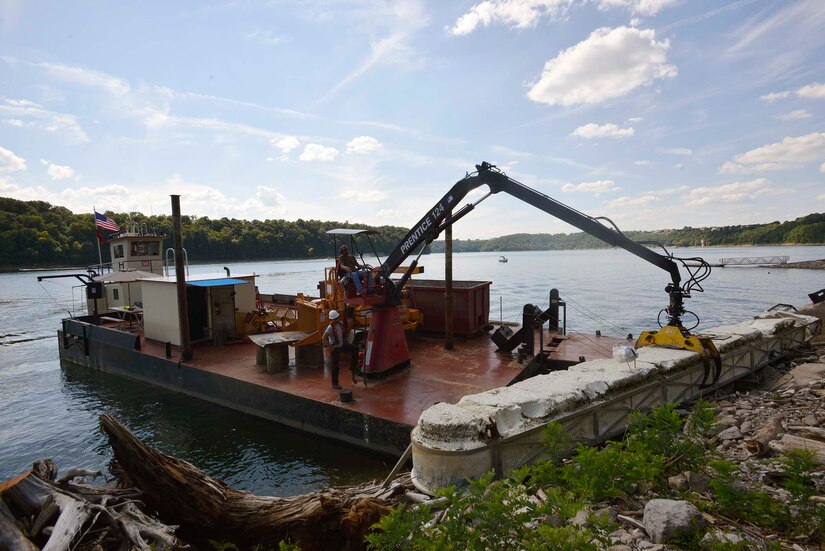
462,405
260,353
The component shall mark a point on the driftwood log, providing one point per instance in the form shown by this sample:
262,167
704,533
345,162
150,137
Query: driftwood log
205,508
789,443
37,510
758,445
815,433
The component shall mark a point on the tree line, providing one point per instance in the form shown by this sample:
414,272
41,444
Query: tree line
38,234
806,230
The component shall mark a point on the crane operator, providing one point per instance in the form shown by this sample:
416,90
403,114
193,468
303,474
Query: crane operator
348,267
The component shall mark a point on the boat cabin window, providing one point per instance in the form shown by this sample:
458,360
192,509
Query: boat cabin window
145,248
118,250
115,294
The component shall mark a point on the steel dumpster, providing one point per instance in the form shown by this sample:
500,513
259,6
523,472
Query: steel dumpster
471,305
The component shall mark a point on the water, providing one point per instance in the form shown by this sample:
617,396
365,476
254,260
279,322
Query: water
49,411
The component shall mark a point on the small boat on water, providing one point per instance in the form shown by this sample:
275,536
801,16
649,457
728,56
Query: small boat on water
502,259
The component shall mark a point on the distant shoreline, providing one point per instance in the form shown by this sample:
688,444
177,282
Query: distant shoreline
804,265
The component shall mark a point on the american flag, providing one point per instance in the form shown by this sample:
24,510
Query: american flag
103,221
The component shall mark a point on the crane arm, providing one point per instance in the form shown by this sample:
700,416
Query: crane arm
440,216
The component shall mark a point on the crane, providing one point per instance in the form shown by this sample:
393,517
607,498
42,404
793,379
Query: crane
446,212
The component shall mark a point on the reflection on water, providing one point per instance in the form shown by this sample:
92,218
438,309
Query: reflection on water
46,411
244,451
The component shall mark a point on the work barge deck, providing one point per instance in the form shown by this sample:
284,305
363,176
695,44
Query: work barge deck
382,413
465,411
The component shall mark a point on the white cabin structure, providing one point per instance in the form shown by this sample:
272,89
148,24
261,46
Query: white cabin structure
214,304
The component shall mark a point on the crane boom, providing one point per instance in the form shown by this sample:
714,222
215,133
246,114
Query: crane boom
441,215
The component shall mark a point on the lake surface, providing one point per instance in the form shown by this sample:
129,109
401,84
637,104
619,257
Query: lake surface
49,411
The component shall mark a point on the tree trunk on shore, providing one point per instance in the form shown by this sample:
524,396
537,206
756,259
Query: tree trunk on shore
206,508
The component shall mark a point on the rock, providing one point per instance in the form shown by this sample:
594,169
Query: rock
619,548
678,482
580,519
731,433
667,519
746,427
810,420
605,515
720,536
697,482
725,422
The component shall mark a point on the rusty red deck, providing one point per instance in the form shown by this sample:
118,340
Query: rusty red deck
435,375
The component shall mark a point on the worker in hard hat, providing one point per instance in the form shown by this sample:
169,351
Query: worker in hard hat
335,341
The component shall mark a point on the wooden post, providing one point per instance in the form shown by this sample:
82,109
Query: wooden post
277,357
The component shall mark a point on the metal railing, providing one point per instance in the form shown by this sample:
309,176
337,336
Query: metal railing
746,260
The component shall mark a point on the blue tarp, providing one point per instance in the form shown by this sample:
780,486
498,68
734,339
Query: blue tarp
217,282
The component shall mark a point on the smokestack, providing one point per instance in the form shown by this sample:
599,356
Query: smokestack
180,277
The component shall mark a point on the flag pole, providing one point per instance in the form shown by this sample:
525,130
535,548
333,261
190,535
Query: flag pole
97,239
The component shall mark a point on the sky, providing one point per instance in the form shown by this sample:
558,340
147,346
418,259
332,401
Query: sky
655,113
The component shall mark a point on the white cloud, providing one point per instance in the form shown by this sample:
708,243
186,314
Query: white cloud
789,153
737,192
641,163
317,152
391,28
641,7
524,14
521,14
679,166
14,122
364,196
822,167
683,151
85,77
266,38
597,188
643,201
795,115
593,130
363,145
815,90
59,172
30,114
269,197
774,96
286,144
608,64
635,119
9,162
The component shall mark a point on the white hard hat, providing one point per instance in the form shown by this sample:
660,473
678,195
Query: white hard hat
333,314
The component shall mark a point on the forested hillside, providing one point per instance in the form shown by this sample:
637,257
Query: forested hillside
37,234
807,230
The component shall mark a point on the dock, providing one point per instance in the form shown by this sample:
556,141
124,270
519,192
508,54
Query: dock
754,260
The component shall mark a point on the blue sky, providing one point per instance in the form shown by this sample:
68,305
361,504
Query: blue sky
655,113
